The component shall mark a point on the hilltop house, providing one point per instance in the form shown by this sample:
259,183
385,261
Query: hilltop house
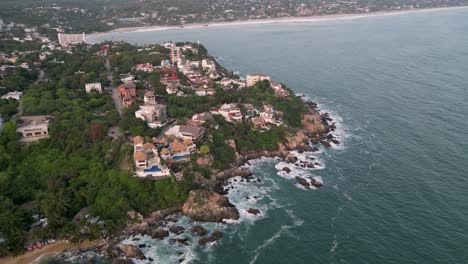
147,160
93,86
279,90
179,150
270,115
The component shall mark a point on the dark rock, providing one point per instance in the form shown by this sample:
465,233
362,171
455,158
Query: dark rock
302,181
136,239
325,143
314,149
142,245
199,230
159,233
217,234
150,259
176,229
286,169
205,240
335,141
315,183
253,211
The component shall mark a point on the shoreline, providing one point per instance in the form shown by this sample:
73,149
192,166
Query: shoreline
51,250
282,20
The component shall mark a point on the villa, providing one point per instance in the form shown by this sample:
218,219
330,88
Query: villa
179,150
147,160
185,132
231,112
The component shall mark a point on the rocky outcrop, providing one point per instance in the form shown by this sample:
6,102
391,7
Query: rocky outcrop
203,205
314,124
205,160
308,182
199,230
176,229
131,251
159,233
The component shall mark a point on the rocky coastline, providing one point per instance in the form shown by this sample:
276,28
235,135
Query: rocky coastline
210,203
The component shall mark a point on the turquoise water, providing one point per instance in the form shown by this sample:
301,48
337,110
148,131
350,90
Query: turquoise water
397,191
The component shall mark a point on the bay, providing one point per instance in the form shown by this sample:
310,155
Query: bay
396,192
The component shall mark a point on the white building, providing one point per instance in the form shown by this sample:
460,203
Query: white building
231,112
93,86
13,95
33,128
208,65
66,40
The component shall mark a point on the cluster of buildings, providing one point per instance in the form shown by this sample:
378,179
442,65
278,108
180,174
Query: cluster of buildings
176,145
259,118
151,112
147,160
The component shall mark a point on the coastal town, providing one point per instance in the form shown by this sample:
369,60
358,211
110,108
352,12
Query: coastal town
163,117
91,16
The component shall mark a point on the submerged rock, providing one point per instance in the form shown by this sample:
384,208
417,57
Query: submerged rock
253,211
315,183
214,237
302,181
203,205
286,169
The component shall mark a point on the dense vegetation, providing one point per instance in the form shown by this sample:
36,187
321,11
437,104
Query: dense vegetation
78,166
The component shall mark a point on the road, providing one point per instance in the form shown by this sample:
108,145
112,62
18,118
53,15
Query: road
114,91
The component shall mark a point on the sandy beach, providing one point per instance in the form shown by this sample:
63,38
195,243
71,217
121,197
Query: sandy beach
282,20
35,257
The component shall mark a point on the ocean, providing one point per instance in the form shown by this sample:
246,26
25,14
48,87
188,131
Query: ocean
396,190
